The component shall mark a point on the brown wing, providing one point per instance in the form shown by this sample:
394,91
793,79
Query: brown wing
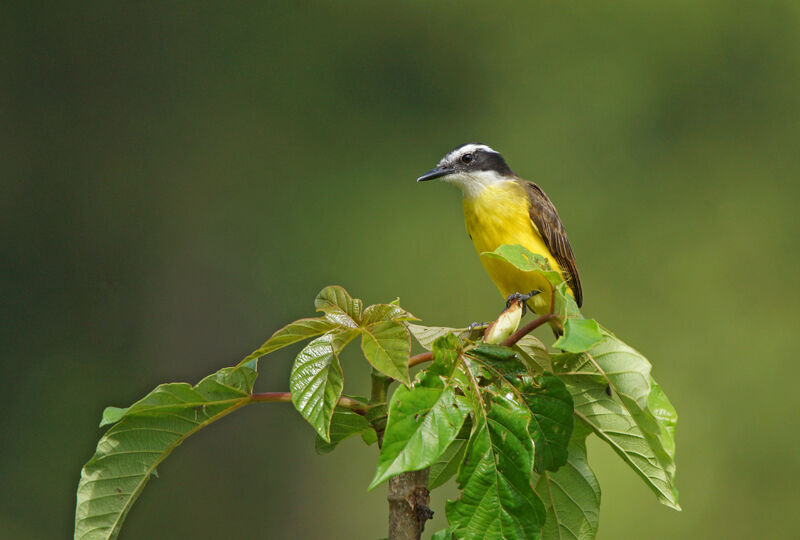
545,218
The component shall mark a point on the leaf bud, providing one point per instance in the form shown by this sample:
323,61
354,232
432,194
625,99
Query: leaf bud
505,325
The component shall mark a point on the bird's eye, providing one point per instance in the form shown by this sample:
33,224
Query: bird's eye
467,158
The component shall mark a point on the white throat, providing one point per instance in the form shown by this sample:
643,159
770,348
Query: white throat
473,183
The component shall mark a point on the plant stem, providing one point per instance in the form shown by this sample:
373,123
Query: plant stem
353,404
378,401
271,397
380,387
408,492
420,358
408,505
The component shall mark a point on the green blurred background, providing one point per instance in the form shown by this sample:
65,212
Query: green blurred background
178,180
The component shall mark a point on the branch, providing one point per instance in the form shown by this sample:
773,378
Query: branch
420,358
511,341
271,397
408,505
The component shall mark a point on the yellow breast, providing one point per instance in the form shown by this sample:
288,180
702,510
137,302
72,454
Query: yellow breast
499,215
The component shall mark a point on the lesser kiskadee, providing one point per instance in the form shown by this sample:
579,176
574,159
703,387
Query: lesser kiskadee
502,208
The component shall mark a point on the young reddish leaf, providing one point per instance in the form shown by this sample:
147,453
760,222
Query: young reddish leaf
339,306
385,312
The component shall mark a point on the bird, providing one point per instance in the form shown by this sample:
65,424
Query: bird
502,208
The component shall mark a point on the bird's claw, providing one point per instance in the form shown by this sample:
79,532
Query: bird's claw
476,326
521,298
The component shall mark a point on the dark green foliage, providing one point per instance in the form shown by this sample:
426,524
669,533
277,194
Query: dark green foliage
497,498
508,422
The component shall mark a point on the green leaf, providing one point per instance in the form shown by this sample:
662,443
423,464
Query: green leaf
665,414
494,352
547,399
426,335
144,435
340,338
571,495
422,423
500,361
579,335
386,346
565,307
344,423
529,354
369,437
497,500
339,306
447,465
292,333
626,434
642,437
523,259
446,352
425,419
112,415
534,354
316,383
612,363
444,534
385,312
551,425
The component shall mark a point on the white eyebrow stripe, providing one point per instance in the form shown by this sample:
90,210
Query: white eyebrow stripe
467,148
475,147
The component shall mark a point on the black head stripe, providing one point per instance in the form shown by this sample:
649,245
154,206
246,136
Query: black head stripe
491,161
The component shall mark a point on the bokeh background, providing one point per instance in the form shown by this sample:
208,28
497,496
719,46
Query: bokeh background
180,179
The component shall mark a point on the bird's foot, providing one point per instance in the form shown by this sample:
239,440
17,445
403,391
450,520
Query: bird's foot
474,329
521,298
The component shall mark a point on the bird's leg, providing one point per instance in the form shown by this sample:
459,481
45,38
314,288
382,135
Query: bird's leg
521,298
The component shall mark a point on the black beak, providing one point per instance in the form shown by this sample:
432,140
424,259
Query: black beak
438,172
